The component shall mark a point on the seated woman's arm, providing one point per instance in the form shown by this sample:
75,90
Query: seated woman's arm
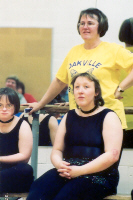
56,155
25,146
53,126
112,136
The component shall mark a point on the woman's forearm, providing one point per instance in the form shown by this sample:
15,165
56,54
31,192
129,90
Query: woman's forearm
19,157
127,82
101,163
56,158
54,89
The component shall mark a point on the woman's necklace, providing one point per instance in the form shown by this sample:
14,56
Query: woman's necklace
89,111
7,121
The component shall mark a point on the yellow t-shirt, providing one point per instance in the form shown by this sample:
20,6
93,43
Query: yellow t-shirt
128,96
105,62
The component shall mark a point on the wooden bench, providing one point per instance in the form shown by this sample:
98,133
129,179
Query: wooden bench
117,197
13,196
8,196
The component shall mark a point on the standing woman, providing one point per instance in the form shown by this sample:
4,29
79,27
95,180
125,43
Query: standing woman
86,150
15,145
126,36
102,59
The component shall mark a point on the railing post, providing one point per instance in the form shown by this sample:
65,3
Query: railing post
35,132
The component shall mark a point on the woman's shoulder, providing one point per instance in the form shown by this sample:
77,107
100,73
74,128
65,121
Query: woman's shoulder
109,114
112,45
104,110
17,121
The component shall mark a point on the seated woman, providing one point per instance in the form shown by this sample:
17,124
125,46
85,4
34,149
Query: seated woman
15,146
86,151
47,128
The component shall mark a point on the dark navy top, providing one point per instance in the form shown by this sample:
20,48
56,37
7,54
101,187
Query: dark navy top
84,142
9,144
44,132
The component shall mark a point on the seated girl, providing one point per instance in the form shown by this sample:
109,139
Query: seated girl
86,150
47,128
15,146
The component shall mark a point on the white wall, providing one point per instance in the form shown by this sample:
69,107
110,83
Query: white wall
62,16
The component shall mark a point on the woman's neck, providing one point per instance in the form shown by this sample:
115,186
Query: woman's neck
7,121
90,110
92,44
7,127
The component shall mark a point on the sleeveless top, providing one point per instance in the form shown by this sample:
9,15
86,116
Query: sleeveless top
44,132
9,144
84,140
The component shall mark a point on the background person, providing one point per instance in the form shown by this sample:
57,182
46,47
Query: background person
47,128
21,89
15,145
12,82
103,59
86,149
47,123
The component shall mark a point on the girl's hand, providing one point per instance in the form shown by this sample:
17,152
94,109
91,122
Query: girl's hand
75,171
71,172
64,169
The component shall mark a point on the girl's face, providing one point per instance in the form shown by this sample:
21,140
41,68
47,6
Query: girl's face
88,28
6,109
84,93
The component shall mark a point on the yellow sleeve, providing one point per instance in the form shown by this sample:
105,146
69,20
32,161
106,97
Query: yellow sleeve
62,73
124,59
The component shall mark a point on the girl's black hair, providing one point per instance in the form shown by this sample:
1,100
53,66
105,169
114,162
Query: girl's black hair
12,97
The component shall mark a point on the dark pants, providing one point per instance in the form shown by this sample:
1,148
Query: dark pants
128,139
50,186
16,179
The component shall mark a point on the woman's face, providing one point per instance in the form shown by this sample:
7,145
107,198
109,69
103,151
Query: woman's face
6,109
84,92
19,90
88,28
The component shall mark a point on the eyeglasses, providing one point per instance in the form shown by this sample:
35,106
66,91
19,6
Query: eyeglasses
89,24
8,106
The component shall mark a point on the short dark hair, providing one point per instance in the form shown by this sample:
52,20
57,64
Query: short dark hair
126,31
22,86
12,97
98,99
13,77
102,19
